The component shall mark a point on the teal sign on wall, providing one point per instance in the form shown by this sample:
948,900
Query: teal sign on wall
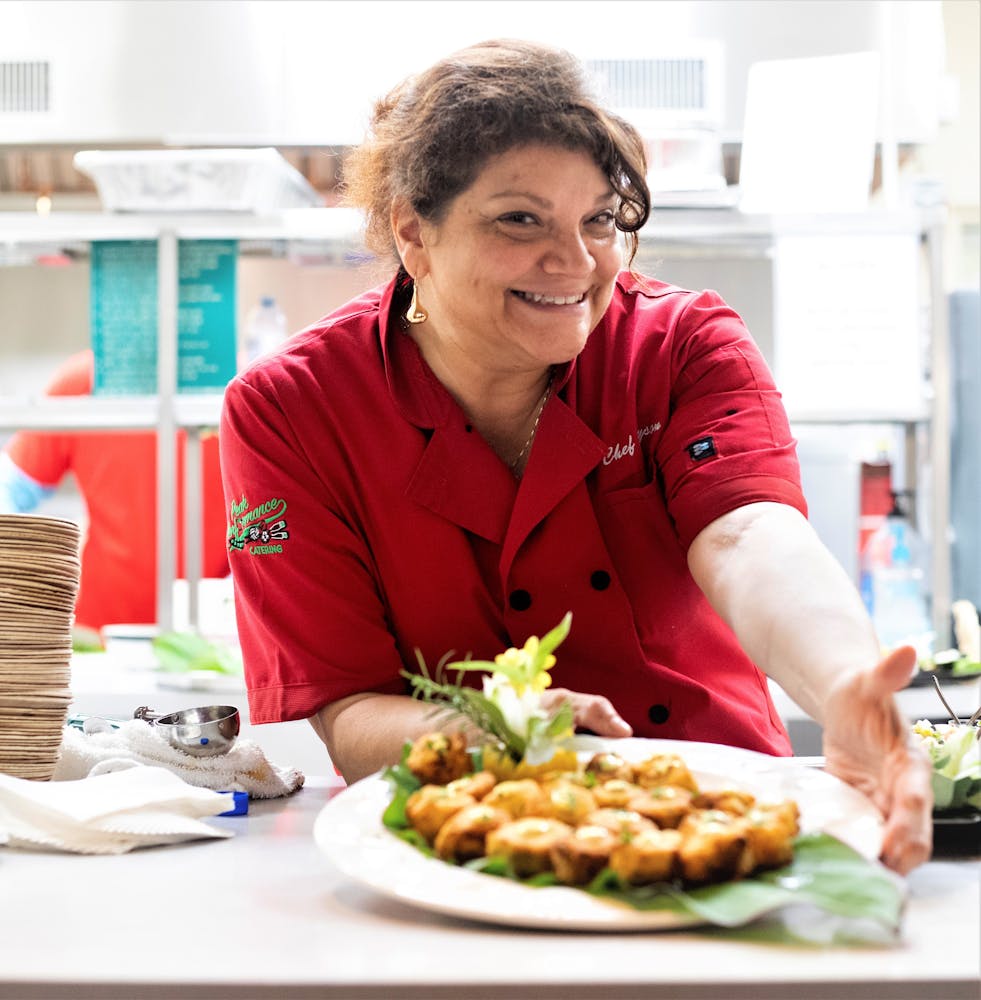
123,316
123,309
206,315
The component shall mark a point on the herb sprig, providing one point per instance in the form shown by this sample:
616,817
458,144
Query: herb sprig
509,708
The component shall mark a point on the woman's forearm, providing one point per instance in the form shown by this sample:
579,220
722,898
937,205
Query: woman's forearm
787,599
366,732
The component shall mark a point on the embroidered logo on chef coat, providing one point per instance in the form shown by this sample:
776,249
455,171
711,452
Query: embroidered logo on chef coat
700,449
259,530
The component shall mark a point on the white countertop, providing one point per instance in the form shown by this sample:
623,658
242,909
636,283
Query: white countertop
265,914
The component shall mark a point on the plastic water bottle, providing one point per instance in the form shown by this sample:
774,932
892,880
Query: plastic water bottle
895,585
265,330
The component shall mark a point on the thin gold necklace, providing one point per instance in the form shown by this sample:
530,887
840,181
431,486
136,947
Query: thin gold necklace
516,464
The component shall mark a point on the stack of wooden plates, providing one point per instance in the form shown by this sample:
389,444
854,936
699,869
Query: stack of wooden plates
39,572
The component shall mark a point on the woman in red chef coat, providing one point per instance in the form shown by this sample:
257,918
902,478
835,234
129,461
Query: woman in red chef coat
515,426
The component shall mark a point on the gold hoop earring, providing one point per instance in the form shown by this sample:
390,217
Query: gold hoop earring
416,313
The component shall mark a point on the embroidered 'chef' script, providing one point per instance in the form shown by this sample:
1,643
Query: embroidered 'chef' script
620,450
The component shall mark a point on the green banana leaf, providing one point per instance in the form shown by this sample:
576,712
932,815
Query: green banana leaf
180,652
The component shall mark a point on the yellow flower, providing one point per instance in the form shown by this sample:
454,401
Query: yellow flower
509,709
526,668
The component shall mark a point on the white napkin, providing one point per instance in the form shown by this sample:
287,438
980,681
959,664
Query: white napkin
245,768
107,814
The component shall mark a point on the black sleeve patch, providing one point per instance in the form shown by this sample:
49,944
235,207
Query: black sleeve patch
702,448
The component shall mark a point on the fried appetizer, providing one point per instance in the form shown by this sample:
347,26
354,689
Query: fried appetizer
609,766
665,805
647,822
577,778
527,843
730,800
519,797
623,823
664,769
714,847
615,793
579,858
477,785
438,758
429,807
463,836
651,856
771,830
568,802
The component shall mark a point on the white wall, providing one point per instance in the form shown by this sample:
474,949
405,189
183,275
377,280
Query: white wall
953,159
306,71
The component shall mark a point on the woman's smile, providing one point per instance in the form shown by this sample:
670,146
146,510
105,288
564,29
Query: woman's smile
544,299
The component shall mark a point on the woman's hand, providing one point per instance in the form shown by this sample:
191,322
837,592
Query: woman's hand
868,744
590,711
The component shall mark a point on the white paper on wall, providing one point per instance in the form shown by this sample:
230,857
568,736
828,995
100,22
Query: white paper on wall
848,332
809,134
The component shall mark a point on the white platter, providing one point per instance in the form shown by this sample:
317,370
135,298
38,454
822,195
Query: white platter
350,832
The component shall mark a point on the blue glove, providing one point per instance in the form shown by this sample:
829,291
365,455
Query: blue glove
19,493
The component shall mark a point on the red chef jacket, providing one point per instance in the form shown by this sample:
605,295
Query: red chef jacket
116,474
369,521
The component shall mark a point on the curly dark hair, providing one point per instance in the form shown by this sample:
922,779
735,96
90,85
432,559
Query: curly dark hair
430,137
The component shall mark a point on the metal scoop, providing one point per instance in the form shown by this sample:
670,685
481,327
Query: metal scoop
201,732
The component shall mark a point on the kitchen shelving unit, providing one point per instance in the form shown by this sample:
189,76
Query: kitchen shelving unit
672,233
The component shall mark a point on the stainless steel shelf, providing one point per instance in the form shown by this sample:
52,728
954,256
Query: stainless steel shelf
198,410
24,229
717,228
60,413
858,417
732,226
92,413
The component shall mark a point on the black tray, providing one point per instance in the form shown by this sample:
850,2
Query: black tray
957,831
924,678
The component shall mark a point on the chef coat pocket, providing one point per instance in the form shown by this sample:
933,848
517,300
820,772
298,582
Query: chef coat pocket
641,538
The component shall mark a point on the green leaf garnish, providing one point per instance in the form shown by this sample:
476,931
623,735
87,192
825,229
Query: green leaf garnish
954,753
180,652
403,783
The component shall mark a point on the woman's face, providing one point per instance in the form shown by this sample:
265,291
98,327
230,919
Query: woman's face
522,267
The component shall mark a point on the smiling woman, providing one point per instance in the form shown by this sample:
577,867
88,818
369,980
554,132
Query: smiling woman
515,427
514,279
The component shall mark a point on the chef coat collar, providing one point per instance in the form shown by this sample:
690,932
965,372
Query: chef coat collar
454,477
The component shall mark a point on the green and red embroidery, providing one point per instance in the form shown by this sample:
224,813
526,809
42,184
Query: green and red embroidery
259,530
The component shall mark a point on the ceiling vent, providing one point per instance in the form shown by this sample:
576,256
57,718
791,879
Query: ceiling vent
25,86
678,84
677,90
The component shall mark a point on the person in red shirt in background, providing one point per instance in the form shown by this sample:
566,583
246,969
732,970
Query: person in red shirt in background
116,475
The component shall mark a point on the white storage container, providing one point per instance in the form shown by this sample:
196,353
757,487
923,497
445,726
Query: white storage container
259,181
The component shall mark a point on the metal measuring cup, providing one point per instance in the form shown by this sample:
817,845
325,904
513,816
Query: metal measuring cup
201,732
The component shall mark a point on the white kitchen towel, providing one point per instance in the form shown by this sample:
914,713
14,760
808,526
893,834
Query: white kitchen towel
108,814
245,768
